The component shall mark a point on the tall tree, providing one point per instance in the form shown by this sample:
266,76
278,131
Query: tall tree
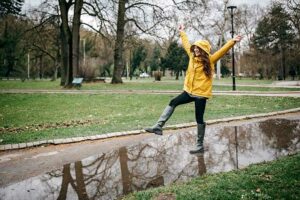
10,36
140,14
118,56
130,18
70,39
293,8
176,59
275,33
13,45
155,59
45,40
139,55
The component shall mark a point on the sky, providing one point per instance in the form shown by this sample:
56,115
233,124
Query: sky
29,3
251,2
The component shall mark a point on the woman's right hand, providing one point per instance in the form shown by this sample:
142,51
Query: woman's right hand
238,38
181,27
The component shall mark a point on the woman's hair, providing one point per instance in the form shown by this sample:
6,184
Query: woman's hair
206,63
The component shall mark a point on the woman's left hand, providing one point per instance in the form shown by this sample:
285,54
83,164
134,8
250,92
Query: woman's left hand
238,38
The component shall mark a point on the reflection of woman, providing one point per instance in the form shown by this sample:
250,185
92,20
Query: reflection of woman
197,84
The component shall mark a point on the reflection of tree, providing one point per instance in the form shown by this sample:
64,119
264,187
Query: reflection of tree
222,147
100,176
146,165
80,189
233,147
66,180
108,176
78,184
88,178
136,168
126,177
281,133
162,161
153,164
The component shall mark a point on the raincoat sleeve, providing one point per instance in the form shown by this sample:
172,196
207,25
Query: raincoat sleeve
185,42
221,52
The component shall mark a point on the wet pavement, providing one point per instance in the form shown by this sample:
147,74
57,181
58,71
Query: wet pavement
161,160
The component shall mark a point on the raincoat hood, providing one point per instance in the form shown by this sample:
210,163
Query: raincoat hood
203,44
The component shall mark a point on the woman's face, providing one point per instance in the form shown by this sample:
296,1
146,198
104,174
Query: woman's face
197,51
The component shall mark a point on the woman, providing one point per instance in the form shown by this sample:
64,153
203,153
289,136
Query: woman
197,85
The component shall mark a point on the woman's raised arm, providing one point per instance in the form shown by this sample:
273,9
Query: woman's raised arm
185,41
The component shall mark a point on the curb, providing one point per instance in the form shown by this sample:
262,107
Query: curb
136,132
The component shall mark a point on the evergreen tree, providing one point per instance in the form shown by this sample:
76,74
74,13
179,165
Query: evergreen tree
155,60
139,55
275,33
176,59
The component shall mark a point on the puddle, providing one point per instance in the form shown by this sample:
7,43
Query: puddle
162,161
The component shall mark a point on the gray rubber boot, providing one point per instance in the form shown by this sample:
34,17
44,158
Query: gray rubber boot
200,137
157,128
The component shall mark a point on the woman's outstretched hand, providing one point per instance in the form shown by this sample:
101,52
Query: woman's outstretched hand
181,27
238,38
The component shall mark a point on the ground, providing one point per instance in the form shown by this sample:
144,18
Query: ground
17,165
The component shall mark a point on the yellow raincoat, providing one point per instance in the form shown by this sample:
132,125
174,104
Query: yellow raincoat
196,82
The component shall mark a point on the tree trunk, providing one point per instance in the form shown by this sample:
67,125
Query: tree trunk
118,57
9,58
76,37
70,41
66,49
283,63
177,75
41,67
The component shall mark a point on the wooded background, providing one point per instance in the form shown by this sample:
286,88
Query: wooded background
128,37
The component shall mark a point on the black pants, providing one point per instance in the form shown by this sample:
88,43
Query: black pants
200,103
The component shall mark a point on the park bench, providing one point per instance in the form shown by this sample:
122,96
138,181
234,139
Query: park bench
77,82
99,80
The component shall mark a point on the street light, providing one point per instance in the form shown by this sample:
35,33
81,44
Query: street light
231,8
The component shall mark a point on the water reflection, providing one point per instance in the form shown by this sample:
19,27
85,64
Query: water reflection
161,161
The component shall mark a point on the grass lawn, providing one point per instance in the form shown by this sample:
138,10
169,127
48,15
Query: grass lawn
278,179
31,117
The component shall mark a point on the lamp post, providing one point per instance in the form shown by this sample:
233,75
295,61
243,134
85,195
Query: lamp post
231,9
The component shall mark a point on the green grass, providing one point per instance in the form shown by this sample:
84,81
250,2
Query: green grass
142,84
49,116
278,179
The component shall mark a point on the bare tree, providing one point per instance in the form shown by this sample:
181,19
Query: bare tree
122,19
45,36
70,39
